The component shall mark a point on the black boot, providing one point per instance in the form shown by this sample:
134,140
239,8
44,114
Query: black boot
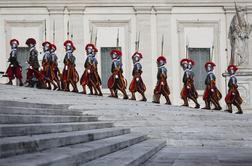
207,105
197,105
21,82
99,91
133,97
168,101
239,109
125,96
156,98
229,109
185,102
216,105
143,97
9,83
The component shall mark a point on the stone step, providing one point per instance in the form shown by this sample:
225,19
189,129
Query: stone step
37,111
133,155
26,144
32,105
25,119
210,143
75,154
8,130
205,136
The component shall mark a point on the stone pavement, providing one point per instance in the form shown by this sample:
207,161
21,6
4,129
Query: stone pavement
201,156
194,137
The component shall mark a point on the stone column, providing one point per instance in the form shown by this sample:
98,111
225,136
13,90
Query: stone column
146,24
163,24
57,18
77,33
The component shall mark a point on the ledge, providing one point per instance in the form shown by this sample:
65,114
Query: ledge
241,73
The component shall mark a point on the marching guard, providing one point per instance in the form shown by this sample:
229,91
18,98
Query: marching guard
117,81
54,66
90,76
211,93
46,66
233,96
162,87
69,74
33,75
14,69
188,91
137,84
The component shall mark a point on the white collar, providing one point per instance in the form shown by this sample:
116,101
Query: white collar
210,72
90,55
163,66
32,48
113,60
47,52
233,75
69,51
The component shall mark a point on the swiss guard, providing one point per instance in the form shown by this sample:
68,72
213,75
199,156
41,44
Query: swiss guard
90,76
14,69
69,74
188,91
46,66
117,81
233,95
211,93
54,66
162,87
33,76
137,84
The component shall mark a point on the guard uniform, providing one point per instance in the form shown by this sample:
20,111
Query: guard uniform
70,75
162,87
189,90
90,77
233,95
46,65
54,66
137,84
117,81
14,70
33,75
211,93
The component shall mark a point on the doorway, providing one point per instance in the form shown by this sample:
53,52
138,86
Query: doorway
200,56
22,57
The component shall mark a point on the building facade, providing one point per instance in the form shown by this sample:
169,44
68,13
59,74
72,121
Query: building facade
202,25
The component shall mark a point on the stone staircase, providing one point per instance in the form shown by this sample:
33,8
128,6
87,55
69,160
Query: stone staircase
45,134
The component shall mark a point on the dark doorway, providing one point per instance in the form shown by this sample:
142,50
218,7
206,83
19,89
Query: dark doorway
23,55
200,56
